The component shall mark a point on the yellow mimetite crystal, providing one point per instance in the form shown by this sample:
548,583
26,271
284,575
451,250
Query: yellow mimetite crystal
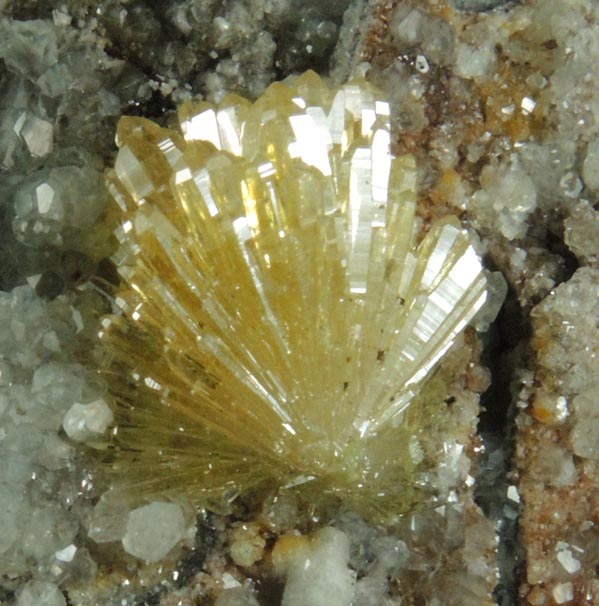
276,319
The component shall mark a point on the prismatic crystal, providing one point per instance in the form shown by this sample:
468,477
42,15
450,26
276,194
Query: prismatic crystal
278,313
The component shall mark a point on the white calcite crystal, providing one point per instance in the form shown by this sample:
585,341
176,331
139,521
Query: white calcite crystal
563,592
83,421
555,466
48,530
474,61
567,324
40,593
581,232
38,135
108,521
584,436
153,530
38,480
567,559
46,212
317,571
506,199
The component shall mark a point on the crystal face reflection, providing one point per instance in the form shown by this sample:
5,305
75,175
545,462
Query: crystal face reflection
277,317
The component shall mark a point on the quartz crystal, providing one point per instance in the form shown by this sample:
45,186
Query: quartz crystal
279,308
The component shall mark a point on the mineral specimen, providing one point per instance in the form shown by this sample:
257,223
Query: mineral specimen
279,308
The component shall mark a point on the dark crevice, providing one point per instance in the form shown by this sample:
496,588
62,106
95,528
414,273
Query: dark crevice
555,244
504,356
206,538
187,568
483,6
7,596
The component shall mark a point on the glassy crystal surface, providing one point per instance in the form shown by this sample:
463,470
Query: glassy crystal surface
277,314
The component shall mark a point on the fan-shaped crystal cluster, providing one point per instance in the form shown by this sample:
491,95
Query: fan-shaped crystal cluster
276,317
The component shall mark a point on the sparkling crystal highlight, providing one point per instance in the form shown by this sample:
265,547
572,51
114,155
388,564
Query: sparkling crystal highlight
277,315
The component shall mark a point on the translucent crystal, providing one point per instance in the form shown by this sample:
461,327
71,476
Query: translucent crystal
38,134
277,314
86,420
153,530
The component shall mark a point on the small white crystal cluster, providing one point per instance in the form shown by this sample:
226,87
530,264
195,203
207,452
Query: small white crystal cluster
352,563
248,41
318,572
148,532
45,399
506,199
54,75
47,213
566,323
38,486
85,421
560,89
558,454
56,120
570,317
518,148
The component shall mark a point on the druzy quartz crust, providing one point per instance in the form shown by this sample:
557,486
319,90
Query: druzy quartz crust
281,305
